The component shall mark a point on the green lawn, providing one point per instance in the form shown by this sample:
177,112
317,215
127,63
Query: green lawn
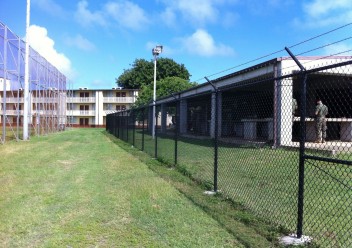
79,189
265,180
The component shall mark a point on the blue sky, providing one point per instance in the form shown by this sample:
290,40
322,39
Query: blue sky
93,41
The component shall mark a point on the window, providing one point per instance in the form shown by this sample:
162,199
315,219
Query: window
118,94
123,94
123,107
118,107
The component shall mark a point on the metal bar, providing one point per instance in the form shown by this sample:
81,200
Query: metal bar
216,141
300,210
134,128
156,137
295,59
143,117
329,160
300,200
4,94
26,78
177,126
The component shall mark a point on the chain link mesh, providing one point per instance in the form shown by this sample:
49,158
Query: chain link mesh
270,144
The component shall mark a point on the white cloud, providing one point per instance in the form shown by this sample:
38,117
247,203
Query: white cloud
44,45
319,8
202,43
87,18
51,7
338,49
80,42
326,12
127,14
196,11
169,17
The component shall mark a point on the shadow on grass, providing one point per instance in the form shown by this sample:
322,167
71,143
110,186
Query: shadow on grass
248,229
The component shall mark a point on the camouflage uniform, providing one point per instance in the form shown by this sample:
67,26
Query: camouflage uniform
321,111
294,106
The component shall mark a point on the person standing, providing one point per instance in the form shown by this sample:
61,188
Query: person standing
294,106
321,112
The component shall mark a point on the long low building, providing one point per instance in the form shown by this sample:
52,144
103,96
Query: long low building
256,104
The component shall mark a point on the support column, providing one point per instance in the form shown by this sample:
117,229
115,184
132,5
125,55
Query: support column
99,108
285,120
150,119
183,116
215,105
163,118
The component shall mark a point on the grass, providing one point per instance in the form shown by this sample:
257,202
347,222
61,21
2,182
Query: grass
79,189
14,133
265,180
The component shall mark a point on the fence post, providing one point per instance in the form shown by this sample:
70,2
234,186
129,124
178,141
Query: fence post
134,127
300,200
127,112
177,128
216,127
156,136
143,117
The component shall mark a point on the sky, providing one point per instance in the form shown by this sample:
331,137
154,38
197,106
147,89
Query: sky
92,42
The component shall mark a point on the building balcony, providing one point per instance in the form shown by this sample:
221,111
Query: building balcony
31,113
45,100
33,100
119,99
80,112
80,99
12,112
12,100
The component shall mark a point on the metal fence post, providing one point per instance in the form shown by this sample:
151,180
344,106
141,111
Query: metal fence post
156,136
127,112
216,145
300,200
216,148
143,117
176,128
301,158
133,127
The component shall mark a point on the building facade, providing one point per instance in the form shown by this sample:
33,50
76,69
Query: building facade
255,104
89,107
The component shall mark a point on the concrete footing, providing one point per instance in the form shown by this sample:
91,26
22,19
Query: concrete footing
293,240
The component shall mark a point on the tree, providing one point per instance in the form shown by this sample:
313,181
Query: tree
142,73
164,87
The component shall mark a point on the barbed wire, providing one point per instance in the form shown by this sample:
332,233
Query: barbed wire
282,50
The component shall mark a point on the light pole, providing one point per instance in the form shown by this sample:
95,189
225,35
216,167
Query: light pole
156,51
26,77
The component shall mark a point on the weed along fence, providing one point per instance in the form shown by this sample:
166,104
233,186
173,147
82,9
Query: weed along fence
252,136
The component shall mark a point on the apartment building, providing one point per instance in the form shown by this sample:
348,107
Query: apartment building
47,107
89,107
52,108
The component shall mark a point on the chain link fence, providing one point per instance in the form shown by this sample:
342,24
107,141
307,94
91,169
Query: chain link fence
266,142
47,91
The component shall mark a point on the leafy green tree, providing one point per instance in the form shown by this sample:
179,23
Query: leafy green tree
164,87
142,73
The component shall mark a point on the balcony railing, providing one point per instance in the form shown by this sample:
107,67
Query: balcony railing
33,99
31,113
12,100
12,112
119,99
80,112
80,99
46,99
